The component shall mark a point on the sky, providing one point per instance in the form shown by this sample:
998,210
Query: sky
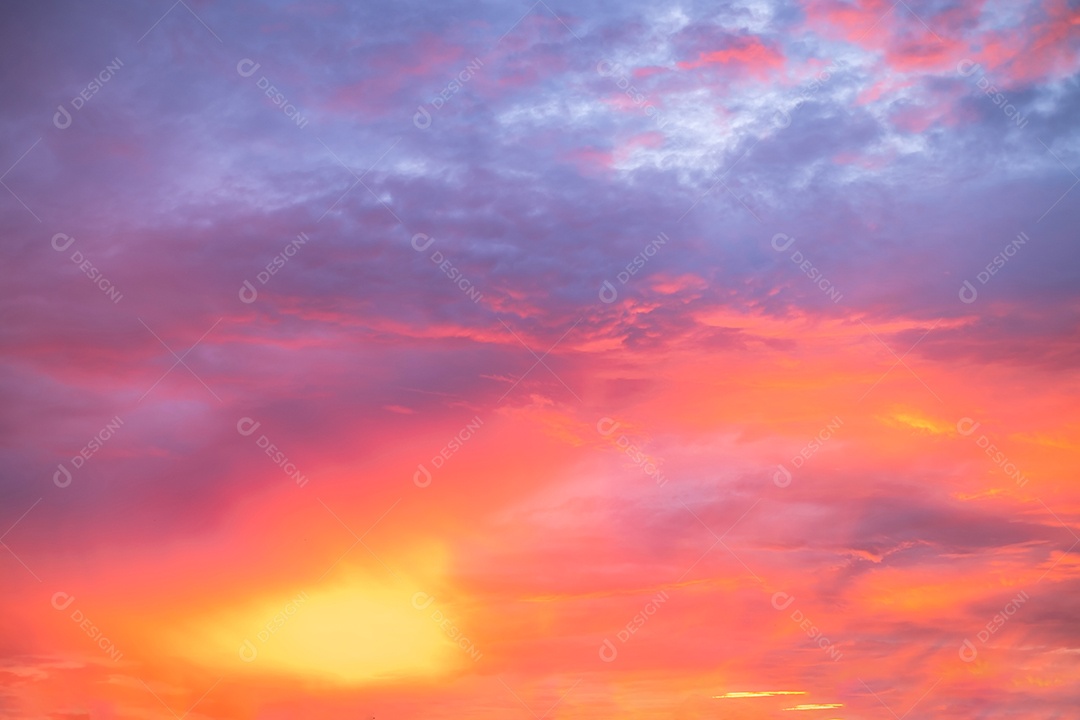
558,360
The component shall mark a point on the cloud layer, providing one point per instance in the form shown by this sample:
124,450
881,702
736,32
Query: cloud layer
596,360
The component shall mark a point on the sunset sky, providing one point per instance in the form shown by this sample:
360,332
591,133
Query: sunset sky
565,360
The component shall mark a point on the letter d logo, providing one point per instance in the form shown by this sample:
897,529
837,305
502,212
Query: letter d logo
421,237
61,118
60,603
62,472
968,293
608,653
608,293
419,602
966,426
61,237
967,67
248,652
245,426
606,426
247,67
421,478
782,237
422,118
968,651
248,293
781,600
782,477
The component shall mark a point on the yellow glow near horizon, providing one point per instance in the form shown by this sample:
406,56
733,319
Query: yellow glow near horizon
355,634
356,629
763,693
816,707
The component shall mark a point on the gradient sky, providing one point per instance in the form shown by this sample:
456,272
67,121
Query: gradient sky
557,360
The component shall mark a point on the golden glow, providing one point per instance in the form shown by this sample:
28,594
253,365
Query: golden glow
764,693
816,707
919,422
353,632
